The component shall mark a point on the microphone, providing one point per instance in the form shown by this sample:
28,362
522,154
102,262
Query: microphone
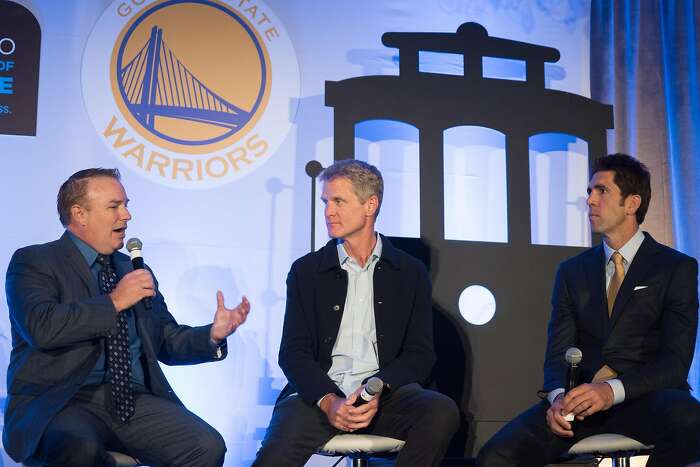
134,246
373,387
573,358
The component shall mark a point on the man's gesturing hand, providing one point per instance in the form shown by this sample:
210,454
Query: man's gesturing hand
227,320
342,415
132,288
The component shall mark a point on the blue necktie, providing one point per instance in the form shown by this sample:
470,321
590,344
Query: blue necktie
118,354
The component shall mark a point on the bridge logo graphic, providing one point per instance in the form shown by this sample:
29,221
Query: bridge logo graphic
191,93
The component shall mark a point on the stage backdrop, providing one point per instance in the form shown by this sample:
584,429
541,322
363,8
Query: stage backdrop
212,108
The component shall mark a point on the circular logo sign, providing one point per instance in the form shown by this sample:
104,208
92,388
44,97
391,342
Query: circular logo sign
190,93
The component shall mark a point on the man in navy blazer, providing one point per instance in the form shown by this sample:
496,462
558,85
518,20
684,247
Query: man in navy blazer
59,411
631,306
357,308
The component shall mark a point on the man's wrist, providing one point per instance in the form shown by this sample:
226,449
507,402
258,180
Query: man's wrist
115,302
553,394
618,390
324,401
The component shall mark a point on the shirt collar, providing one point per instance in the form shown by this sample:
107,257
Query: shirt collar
628,250
376,252
86,250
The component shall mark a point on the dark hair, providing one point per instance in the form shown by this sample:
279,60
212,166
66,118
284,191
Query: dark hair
74,189
631,176
365,178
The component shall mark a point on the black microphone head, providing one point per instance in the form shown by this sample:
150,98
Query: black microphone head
374,386
133,244
313,168
573,356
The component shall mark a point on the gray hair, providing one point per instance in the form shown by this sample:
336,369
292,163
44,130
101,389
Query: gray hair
365,178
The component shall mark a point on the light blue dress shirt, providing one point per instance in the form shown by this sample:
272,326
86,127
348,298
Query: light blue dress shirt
354,355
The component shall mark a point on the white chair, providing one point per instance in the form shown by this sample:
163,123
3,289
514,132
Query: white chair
618,448
123,460
359,448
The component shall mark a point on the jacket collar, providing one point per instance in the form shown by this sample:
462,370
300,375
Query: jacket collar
77,261
329,255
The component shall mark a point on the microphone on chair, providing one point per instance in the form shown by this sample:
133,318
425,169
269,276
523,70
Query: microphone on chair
373,387
573,358
134,246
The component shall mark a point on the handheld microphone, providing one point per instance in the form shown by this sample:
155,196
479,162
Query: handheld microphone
573,358
134,246
373,387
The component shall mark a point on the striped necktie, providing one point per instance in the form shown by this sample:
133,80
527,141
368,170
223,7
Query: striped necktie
615,281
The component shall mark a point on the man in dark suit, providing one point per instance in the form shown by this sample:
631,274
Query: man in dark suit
357,308
87,334
631,306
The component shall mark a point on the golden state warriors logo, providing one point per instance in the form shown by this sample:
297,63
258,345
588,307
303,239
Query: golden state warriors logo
191,93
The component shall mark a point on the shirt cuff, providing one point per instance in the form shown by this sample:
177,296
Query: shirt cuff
553,394
217,349
618,390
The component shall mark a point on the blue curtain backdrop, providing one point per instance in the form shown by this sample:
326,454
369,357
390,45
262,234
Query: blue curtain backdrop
644,61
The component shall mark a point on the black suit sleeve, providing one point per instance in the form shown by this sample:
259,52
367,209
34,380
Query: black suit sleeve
561,333
417,355
679,321
181,344
39,316
296,355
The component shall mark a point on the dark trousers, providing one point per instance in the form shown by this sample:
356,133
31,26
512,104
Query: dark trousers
669,419
425,419
161,432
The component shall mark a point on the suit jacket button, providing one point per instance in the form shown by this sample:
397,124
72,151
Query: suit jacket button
327,340
336,307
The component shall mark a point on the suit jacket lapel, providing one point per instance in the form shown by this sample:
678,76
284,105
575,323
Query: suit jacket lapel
595,271
638,270
76,260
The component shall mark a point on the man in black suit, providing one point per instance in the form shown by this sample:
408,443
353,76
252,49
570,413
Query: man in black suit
357,308
631,306
84,375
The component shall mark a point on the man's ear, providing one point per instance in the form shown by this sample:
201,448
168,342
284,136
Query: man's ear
371,205
632,203
78,214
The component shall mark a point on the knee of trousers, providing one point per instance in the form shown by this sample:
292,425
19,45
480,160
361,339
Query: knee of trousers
686,420
212,443
441,416
78,451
